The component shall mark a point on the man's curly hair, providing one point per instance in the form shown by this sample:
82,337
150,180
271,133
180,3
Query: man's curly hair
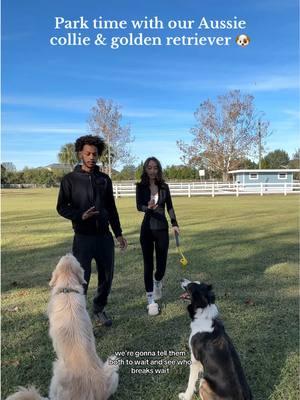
92,141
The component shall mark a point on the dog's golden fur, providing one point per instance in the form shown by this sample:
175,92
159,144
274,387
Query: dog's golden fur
26,394
78,372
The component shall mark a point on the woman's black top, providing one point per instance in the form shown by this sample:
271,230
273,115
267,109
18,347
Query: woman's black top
155,219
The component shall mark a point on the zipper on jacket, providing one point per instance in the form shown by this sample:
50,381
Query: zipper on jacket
94,201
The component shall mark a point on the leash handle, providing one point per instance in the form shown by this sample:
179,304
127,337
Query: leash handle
177,239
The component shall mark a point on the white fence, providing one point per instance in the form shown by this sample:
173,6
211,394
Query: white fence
215,189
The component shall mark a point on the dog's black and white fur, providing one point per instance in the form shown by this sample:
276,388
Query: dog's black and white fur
212,351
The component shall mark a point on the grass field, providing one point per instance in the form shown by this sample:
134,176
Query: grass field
247,247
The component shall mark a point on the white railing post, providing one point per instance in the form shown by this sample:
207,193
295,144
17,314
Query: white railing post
212,189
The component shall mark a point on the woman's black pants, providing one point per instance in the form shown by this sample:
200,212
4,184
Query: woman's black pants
150,239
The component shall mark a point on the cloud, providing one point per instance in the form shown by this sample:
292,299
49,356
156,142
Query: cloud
75,129
158,113
16,36
268,84
293,113
82,105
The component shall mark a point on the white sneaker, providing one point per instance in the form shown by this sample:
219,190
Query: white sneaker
157,290
153,309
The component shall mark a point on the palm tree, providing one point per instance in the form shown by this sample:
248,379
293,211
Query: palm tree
67,155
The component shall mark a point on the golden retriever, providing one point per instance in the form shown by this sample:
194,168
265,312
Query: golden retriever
78,372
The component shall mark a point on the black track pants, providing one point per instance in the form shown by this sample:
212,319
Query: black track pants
150,239
101,249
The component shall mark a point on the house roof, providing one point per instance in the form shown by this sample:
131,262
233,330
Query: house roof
263,170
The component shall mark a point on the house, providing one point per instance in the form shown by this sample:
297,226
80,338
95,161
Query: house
269,176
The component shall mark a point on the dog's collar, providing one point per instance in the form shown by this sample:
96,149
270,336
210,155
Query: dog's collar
67,290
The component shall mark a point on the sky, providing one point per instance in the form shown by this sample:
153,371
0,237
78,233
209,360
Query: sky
48,90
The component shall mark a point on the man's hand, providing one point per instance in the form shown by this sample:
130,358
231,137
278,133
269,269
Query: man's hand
122,242
89,213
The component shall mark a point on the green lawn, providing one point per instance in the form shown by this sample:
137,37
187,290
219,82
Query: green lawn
247,247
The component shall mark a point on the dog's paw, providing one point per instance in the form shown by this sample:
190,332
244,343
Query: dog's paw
182,396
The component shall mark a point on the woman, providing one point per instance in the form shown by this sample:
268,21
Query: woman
152,196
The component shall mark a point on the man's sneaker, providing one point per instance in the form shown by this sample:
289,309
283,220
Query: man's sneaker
102,318
157,290
153,309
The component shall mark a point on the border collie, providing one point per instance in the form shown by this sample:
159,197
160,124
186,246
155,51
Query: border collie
212,352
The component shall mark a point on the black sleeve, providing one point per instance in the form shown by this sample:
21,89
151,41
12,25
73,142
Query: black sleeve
140,204
170,208
113,215
64,202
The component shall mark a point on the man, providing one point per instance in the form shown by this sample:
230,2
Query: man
86,198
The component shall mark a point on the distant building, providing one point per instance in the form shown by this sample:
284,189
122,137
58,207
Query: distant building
246,176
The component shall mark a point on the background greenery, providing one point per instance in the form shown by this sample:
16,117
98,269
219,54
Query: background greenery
247,247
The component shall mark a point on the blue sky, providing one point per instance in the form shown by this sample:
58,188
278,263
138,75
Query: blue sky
48,91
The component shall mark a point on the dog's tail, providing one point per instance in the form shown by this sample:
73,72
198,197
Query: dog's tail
26,394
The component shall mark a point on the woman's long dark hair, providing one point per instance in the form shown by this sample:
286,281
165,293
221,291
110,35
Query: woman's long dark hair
159,180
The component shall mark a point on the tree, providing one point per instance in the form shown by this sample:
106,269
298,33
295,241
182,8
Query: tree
295,161
225,133
108,154
127,173
276,159
247,164
180,172
8,166
4,175
67,155
139,171
105,120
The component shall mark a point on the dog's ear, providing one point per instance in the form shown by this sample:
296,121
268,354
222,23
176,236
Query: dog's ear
191,311
77,270
80,275
200,301
210,296
53,278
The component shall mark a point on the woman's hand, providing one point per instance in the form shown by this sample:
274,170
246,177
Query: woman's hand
175,229
152,205
122,242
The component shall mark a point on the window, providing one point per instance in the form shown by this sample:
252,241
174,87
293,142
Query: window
282,175
253,176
